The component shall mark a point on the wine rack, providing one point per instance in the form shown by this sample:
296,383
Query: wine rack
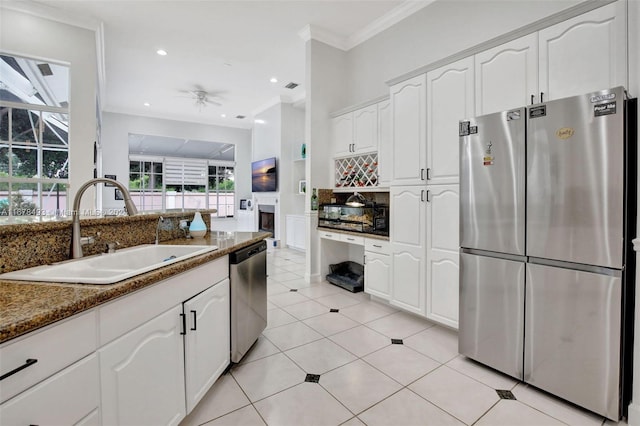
357,172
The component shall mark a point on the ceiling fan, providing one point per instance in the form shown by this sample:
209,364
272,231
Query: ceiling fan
202,97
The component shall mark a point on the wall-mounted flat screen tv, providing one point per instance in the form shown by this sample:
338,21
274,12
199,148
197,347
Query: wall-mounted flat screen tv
264,175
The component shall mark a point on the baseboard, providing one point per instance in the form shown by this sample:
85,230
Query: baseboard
633,419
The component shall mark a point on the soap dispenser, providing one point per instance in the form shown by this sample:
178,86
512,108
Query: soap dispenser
197,228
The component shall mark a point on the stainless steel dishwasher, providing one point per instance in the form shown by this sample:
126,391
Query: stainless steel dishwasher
248,273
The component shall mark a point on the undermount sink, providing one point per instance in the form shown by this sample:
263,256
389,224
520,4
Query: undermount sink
109,268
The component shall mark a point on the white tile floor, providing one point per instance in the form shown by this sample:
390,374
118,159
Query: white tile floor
364,378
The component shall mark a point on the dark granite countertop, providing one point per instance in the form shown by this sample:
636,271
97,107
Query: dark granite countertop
27,306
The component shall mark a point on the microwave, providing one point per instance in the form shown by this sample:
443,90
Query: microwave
370,219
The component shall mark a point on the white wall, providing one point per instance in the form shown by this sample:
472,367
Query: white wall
326,68
115,147
28,35
433,33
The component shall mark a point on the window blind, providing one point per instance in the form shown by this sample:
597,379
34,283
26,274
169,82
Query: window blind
185,172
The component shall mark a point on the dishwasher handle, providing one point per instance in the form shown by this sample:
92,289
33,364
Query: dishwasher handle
247,252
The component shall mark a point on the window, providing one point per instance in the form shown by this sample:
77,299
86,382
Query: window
182,183
34,137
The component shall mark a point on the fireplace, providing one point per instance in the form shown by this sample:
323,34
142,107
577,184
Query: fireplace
266,218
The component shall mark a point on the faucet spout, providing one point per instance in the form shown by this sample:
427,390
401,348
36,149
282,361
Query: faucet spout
76,246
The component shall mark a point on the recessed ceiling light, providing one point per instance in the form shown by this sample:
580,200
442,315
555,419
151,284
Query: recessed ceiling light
273,80
147,104
223,115
259,121
161,52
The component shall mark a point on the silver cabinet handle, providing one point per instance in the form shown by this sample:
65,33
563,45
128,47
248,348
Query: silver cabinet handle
422,195
428,196
428,173
421,174
377,246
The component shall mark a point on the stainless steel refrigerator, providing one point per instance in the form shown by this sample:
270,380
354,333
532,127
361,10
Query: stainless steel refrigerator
547,214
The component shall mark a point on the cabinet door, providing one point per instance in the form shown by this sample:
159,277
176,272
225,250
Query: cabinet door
142,374
507,75
449,99
207,342
365,129
442,254
300,234
342,135
585,53
408,122
377,275
384,143
69,397
408,235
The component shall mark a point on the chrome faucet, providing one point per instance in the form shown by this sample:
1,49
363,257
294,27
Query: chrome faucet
76,246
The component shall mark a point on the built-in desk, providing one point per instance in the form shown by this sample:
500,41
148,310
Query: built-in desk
373,251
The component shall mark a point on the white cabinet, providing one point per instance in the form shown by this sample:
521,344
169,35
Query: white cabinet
507,75
377,268
142,362
365,129
342,134
142,374
70,397
577,56
207,340
385,138
408,254
38,355
355,132
450,94
409,141
585,53
296,231
442,254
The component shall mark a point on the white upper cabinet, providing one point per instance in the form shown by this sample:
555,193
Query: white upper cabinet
342,134
355,132
585,53
409,140
365,129
384,143
507,75
450,94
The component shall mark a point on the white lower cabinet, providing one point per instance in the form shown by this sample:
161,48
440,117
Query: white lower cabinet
70,397
377,275
207,342
296,231
408,253
142,374
442,254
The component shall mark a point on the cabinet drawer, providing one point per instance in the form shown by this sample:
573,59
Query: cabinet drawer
377,246
54,347
352,239
64,399
328,235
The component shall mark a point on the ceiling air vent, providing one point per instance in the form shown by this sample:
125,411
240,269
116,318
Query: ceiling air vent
291,85
240,117
45,70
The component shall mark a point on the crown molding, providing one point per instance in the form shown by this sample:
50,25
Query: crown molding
387,20
51,13
320,34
